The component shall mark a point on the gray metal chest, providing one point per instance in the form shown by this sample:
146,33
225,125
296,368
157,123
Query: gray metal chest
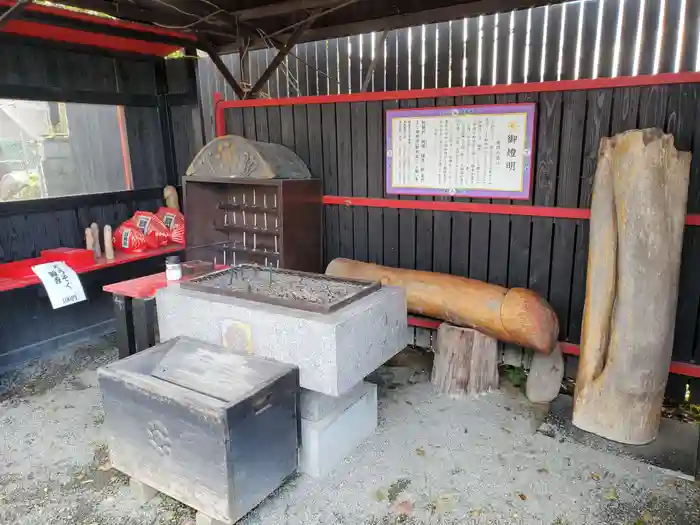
214,429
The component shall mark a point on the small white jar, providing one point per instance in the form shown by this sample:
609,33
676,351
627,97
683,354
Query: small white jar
173,268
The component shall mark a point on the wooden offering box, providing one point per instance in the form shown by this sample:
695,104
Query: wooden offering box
212,428
270,222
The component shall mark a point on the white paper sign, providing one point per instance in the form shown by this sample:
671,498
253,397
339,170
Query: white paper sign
466,151
61,282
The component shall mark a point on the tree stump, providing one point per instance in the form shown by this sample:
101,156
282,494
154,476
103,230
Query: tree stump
466,361
636,235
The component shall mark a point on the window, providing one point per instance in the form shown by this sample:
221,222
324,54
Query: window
55,149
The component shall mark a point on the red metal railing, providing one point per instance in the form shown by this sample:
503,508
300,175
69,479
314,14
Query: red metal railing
677,367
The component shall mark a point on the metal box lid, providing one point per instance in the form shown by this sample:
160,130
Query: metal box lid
216,371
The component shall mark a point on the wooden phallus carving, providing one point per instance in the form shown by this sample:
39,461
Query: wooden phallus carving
109,243
636,234
170,197
96,240
518,315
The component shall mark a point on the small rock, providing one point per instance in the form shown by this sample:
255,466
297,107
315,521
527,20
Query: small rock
544,379
404,505
379,495
77,384
446,502
610,494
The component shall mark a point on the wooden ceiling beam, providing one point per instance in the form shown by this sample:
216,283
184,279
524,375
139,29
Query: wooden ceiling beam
221,27
334,26
228,76
253,25
283,52
121,10
282,8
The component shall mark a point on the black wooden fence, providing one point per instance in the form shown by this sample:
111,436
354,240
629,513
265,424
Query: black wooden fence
161,119
342,143
160,104
581,39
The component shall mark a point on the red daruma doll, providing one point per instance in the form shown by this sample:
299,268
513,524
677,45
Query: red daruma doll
175,222
129,238
157,234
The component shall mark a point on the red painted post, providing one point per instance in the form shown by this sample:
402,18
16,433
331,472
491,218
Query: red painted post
219,119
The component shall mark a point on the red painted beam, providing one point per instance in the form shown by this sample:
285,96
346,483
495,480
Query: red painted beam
475,207
569,348
499,89
86,38
683,369
95,38
471,207
423,322
677,367
85,17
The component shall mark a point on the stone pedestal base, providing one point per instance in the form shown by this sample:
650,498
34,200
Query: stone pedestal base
327,441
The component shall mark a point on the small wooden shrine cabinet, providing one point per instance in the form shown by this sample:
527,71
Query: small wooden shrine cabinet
271,222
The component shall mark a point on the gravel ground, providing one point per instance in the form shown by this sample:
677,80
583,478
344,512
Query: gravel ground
54,466
432,461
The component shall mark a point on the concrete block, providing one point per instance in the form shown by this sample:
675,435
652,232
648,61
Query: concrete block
142,493
334,351
325,443
314,406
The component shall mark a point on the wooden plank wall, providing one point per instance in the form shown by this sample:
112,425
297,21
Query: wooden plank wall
342,143
557,42
160,110
575,40
161,117
25,235
37,70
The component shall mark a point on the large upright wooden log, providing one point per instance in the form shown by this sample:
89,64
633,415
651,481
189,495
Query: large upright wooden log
637,218
466,362
518,315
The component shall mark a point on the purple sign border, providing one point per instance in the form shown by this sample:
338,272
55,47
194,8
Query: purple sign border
529,108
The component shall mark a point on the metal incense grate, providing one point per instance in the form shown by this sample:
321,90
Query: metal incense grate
303,291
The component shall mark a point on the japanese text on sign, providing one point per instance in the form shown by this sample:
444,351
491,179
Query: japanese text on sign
61,283
475,151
